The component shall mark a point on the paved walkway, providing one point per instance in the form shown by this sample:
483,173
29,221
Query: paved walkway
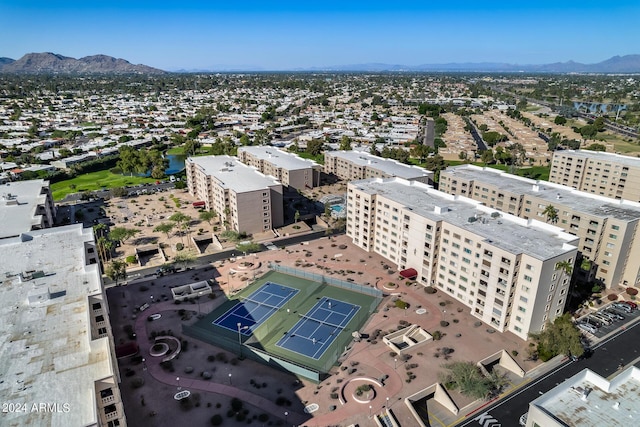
159,374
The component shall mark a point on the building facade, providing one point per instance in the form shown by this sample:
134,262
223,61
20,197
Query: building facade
605,174
245,199
353,165
287,168
57,345
606,227
25,206
507,270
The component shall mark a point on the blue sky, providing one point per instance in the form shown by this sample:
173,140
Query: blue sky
197,34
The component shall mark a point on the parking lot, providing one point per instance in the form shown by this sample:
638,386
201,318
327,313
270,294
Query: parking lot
604,329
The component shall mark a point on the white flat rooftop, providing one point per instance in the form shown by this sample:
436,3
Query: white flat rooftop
279,158
515,235
231,173
389,166
554,194
607,403
46,351
18,203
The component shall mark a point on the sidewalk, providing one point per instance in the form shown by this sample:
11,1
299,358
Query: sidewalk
159,374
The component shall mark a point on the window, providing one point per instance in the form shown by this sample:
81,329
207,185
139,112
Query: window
524,299
613,236
528,278
522,309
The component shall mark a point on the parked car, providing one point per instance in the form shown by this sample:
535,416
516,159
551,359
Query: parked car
631,304
587,327
601,317
622,307
523,419
614,313
593,321
154,317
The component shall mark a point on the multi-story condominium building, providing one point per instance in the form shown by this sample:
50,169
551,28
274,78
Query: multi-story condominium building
287,168
24,206
57,354
509,271
352,165
606,174
606,227
245,199
588,400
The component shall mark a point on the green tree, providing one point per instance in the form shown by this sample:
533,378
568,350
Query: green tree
487,157
185,258
116,271
560,120
596,147
560,337
315,147
122,234
345,143
164,227
420,152
588,131
467,378
207,216
551,213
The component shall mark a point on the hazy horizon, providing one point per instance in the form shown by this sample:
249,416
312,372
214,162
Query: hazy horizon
290,35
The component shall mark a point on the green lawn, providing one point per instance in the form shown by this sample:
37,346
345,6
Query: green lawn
533,172
176,150
95,181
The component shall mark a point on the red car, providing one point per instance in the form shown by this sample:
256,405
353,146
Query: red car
631,304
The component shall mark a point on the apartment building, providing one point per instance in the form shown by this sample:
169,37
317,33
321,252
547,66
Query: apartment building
57,353
507,270
245,199
589,400
353,165
25,206
287,168
605,174
606,227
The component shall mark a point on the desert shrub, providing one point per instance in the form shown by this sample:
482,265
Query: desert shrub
437,335
612,297
179,246
216,420
363,389
131,259
401,304
430,290
444,323
632,291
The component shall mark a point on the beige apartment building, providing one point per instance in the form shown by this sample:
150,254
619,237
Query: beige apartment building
605,174
606,227
245,199
353,165
507,270
57,346
287,168
24,206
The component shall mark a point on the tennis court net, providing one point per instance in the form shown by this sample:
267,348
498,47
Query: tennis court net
263,304
313,319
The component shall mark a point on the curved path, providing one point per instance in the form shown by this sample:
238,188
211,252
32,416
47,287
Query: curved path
159,374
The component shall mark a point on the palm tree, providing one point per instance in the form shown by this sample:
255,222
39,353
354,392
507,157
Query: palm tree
551,213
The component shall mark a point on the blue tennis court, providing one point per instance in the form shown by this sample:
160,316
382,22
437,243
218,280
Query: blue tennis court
316,330
252,311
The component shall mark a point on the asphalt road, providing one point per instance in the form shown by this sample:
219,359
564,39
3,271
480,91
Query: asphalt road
605,361
218,256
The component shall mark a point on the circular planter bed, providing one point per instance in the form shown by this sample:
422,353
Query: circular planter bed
367,393
159,349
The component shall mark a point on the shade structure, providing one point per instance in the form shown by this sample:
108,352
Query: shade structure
409,273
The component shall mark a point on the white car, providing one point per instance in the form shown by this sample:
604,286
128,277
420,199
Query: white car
523,419
154,317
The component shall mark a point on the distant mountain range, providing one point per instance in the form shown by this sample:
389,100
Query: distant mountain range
616,64
43,63
51,63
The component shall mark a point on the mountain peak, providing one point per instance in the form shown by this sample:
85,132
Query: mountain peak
48,62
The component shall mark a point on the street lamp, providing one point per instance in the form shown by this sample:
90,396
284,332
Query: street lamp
199,295
240,328
230,378
286,417
370,410
395,363
178,380
144,365
387,402
151,299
